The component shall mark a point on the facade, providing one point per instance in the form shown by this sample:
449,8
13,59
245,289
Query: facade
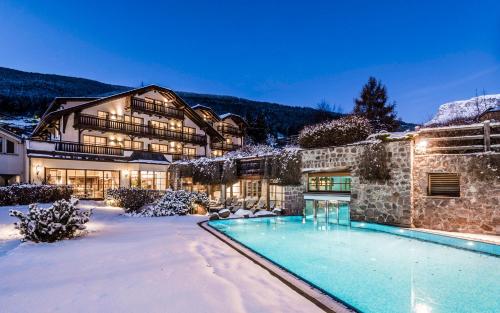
440,178
231,126
12,156
127,139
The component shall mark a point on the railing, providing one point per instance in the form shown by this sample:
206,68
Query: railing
224,146
93,122
88,149
459,139
161,108
251,167
228,129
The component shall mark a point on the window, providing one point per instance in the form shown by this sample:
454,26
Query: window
148,180
92,184
102,114
329,182
10,147
189,151
94,140
161,125
276,195
444,184
189,130
175,147
133,120
229,140
133,145
156,147
1,144
254,189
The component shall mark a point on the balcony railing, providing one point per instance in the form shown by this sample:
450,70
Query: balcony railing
93,122
224,146
88,149
156,108
251,167
228,129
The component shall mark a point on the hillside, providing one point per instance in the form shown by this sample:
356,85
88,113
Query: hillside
28,94
463,109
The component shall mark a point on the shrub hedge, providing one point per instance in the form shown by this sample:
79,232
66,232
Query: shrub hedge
27,194
338,132
132,199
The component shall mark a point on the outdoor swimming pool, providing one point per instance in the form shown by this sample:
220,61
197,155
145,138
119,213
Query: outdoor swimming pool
374,271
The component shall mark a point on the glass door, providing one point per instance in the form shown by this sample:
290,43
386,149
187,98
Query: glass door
333,212
94,183
344,213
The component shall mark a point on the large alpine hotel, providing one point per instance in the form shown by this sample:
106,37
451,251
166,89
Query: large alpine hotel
126,139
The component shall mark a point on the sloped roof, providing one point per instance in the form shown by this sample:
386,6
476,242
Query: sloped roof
53,113
237,117
145,156
209,109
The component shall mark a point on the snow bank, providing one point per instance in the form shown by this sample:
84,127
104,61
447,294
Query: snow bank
464,108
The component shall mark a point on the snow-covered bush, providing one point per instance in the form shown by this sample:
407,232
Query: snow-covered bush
178,202
229,172
207,171
338,132
285,168
27,194
60,221
132,199
374,163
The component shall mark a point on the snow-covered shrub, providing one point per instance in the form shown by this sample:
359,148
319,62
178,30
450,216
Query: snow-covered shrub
60,221
338,132
229,172
206,171
374,163
178,202
27,194
285,168
132,199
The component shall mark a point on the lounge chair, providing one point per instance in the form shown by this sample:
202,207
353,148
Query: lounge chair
272,205
249,204
238,205
261,205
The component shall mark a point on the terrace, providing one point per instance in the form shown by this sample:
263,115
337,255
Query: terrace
158,108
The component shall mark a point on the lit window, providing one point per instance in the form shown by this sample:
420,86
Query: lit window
94,140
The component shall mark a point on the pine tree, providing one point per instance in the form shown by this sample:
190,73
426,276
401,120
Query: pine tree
373,105
260,128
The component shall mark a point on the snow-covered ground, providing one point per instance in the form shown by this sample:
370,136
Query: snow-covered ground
124,264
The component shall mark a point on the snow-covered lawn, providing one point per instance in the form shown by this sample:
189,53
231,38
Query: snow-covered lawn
126,264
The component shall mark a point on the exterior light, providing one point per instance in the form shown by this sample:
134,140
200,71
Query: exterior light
125,173
422,145
38,168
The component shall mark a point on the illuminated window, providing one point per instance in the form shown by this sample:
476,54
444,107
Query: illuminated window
133,120
277,195
156,147
133,145
102,114
160,125
94,140
253,189
148,180
329,182
189,130
189,151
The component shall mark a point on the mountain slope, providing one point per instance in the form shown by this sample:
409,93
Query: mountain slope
25,93
463,109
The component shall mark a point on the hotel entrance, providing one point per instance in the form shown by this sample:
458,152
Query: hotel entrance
87,184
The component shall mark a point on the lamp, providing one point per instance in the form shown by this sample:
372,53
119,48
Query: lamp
38,168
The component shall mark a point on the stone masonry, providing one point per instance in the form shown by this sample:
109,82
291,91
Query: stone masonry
387,202
477,210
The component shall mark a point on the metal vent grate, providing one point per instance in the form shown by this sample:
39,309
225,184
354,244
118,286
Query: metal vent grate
444,184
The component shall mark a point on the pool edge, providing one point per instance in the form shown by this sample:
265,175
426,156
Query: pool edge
321,299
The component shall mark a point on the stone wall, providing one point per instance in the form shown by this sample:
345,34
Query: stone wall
293,200
477,210
388,201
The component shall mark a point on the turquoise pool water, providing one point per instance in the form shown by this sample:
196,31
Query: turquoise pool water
371,270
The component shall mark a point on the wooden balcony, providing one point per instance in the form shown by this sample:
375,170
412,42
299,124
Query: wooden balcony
251,167
156,108
86,121
88,149
224,146
228,129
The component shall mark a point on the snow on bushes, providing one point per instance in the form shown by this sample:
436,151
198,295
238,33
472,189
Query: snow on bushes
27,194
338,132
60,221
178,202
132,199
285,168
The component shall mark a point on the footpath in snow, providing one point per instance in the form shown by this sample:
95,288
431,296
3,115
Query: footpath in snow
126,264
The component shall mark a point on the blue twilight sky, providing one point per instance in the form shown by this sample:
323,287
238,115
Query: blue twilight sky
291,52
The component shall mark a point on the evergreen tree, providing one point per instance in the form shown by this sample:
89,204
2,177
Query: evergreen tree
259,128
372,104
